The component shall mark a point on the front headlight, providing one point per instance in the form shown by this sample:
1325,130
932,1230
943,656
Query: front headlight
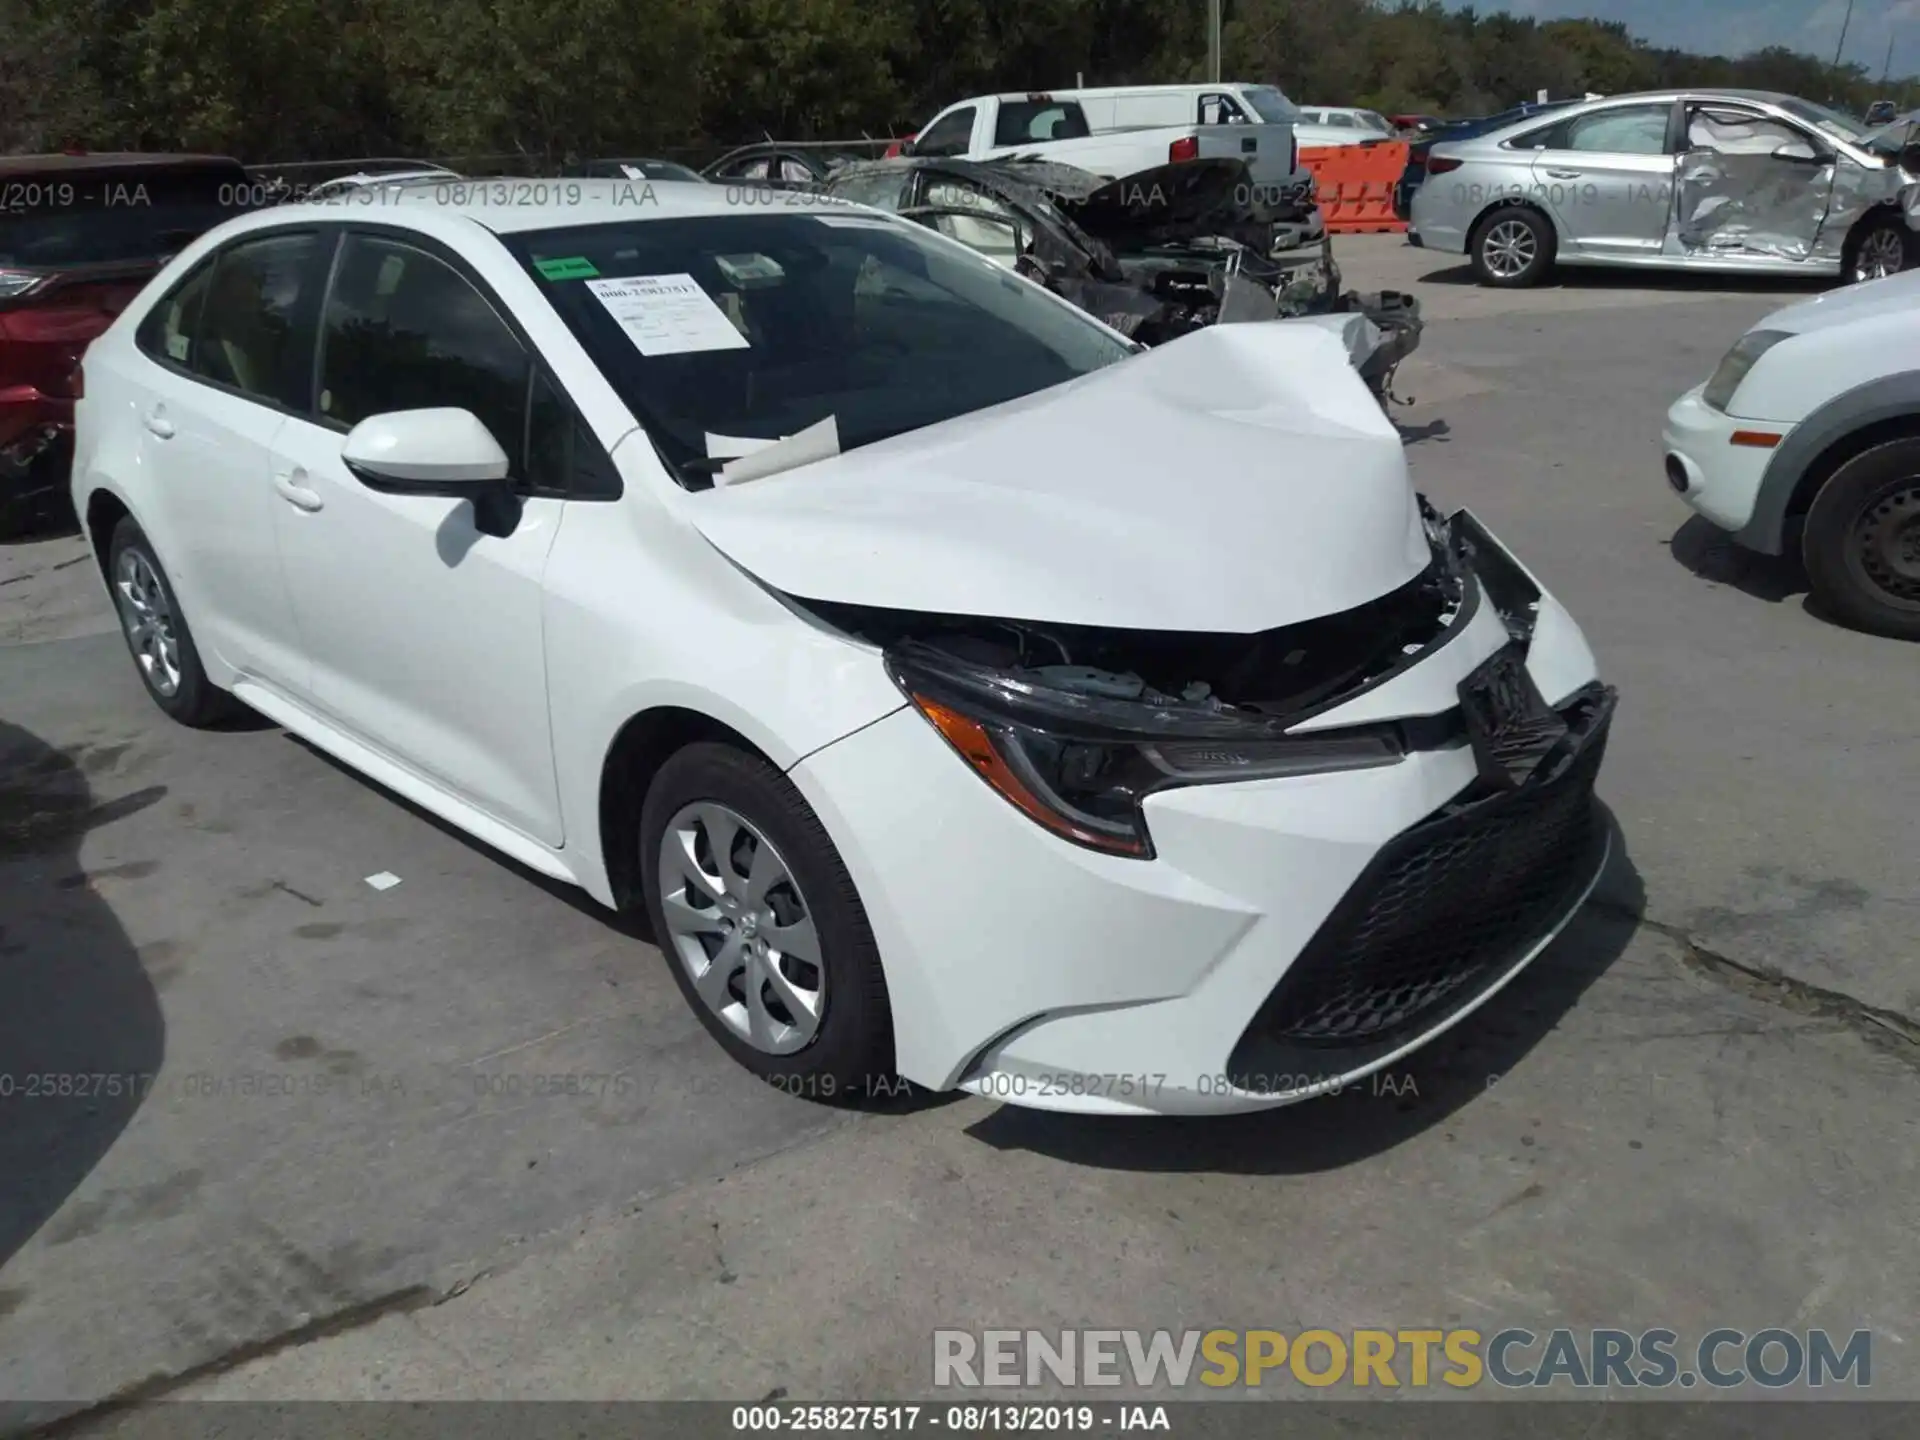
1737,362
1081,763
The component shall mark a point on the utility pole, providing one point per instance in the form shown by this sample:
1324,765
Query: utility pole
1887,69
1845,21
1213,41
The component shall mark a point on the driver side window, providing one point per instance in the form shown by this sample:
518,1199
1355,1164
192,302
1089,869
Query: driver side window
951,134
406,331
1729,131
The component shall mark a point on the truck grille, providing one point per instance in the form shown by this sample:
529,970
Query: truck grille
1444,907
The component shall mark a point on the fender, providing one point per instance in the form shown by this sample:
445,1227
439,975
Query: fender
1889,397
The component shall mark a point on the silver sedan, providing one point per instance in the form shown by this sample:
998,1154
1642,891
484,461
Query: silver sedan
1725,180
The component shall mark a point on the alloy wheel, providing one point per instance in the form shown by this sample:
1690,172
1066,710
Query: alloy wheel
1885,552
1509,248
742,928
146,614
1882,253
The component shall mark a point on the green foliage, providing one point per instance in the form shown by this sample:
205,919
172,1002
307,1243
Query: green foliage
529,83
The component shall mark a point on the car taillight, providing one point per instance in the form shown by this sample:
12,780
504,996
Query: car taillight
1187,147
1441,164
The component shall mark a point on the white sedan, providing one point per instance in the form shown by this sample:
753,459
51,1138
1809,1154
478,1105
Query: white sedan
1808,432
966,695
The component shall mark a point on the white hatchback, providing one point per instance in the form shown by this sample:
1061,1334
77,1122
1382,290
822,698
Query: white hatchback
966,695
1807,434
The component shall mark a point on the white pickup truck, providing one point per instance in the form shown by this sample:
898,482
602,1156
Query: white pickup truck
1119,132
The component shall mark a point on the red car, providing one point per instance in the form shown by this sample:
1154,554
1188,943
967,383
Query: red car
80,235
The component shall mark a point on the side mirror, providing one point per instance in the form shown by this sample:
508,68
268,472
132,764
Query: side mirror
906,147
444,452
1797,152
424,452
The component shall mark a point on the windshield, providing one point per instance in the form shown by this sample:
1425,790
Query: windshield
1270,105
755,327
98,217
1374,120
1820,117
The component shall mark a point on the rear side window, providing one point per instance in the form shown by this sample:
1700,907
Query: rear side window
250,329
1217,109
1625,130
1023,122
169,331
951,134
406,331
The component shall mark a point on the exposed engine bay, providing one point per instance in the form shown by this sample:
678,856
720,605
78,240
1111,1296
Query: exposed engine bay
1271,679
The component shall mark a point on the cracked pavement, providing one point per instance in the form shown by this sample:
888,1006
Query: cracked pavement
343,1176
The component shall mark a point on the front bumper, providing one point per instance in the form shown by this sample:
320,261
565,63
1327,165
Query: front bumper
1717,478
1024,968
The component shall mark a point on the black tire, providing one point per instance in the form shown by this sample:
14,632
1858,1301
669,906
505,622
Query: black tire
194,700
1861,544
849,1059
1495,225
1884,237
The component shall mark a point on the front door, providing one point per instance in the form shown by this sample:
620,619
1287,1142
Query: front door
1607,175
424,634
1750,185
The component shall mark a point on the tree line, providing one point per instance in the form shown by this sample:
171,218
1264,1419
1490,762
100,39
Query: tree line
543,81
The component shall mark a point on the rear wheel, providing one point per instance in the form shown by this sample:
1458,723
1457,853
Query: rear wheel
156,632
1862,541
1882,248
762,926
1511,247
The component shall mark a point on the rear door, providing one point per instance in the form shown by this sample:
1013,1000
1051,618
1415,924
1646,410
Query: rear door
230,351
1607,176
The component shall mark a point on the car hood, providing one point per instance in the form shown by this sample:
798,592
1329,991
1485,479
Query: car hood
1234,480
1874,299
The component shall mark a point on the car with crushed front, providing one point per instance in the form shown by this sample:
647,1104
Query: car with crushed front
964,693
1729,181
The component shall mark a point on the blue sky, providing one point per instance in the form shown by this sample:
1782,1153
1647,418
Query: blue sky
1733,27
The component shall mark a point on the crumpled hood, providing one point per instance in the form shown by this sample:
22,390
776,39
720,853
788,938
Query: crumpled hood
1234,480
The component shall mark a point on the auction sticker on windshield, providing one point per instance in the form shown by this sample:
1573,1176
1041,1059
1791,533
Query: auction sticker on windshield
573,267
667,314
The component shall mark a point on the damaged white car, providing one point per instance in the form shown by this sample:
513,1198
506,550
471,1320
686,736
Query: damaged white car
1735,181
965,693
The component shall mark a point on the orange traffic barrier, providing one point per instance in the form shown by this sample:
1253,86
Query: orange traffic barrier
1354,184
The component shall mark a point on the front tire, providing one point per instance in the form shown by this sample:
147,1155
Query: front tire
1883,247
762,927
156,632
1861,545
1511,248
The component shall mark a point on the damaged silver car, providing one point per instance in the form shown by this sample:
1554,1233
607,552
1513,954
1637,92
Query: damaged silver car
1724,180
1155,255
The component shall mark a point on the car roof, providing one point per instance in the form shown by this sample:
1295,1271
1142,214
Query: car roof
110,160
550,204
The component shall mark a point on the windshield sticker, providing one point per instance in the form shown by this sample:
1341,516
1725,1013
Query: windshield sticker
667,314
747,271
573,267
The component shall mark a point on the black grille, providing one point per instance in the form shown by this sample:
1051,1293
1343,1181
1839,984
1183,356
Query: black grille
1443,905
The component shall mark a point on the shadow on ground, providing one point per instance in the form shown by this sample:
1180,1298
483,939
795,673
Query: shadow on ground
1625,277
1409,1097
81,1034
1711,554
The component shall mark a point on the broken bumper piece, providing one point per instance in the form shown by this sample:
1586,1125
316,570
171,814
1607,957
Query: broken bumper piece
1289,936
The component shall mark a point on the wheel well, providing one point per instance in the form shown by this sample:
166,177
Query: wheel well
1873,215
644,744
1510,204
104,512
1854,442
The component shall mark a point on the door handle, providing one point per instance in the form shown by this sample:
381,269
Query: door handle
156,421
1566,174
287,482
